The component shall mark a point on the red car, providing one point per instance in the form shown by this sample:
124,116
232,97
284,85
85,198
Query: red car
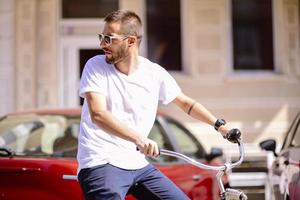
285,171
38,156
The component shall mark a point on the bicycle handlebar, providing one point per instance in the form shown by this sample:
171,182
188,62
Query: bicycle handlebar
224,167
230,194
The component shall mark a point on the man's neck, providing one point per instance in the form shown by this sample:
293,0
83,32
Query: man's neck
128,65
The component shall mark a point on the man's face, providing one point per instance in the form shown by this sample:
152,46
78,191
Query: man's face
115,47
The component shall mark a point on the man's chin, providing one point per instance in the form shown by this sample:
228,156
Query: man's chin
109,61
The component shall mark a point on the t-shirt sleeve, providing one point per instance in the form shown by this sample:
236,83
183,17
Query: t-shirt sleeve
92,78
169,89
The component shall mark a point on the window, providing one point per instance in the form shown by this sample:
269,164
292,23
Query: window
66,144
187,143
252,34
296,139
163,32
20,134
36,135
88,8
162,141
292,135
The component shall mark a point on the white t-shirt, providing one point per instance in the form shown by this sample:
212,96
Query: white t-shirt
133,100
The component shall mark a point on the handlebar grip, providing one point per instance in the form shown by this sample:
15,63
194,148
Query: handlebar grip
234,135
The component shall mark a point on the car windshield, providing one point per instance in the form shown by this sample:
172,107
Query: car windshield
34,134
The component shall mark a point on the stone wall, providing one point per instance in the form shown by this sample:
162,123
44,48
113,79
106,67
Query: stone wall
7,58
36,54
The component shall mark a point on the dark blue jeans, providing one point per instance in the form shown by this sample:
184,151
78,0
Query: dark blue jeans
107,182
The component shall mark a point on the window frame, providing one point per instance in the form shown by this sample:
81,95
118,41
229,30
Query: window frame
165,120
232,75
289,137
164,160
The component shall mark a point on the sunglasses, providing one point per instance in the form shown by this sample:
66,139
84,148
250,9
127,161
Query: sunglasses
108,39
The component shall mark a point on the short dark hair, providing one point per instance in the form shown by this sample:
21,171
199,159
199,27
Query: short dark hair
131,23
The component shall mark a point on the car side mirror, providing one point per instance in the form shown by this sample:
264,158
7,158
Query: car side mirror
214,153
268,145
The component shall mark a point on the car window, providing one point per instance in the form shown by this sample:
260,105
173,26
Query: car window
296,139
187,143
34,135
291,133
157,134
66,145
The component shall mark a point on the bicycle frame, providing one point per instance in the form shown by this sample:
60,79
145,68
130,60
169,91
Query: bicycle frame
228,194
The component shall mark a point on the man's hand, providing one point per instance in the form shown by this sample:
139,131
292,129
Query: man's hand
147,147
231,134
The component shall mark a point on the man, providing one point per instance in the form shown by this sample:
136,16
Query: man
121,92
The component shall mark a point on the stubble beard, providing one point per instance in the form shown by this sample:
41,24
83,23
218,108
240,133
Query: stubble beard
118,56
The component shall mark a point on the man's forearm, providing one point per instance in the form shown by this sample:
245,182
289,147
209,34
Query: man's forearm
105,120
194,109
199,112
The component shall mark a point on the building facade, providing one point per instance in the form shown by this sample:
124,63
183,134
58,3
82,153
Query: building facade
240,60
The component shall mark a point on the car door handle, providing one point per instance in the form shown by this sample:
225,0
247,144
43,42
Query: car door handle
196,177
69,177
19,170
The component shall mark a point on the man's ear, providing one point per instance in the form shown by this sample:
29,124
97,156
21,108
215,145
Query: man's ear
131,41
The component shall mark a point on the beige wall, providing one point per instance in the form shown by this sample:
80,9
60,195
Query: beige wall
7,58
45,71
36,54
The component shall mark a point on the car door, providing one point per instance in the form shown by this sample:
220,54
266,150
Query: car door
37,178
31,173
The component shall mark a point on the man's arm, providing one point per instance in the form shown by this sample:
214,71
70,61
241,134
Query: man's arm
198,111
104,119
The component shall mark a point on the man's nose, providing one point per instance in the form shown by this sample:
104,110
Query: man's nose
103,44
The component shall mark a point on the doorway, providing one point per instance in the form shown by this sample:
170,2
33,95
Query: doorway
84,56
